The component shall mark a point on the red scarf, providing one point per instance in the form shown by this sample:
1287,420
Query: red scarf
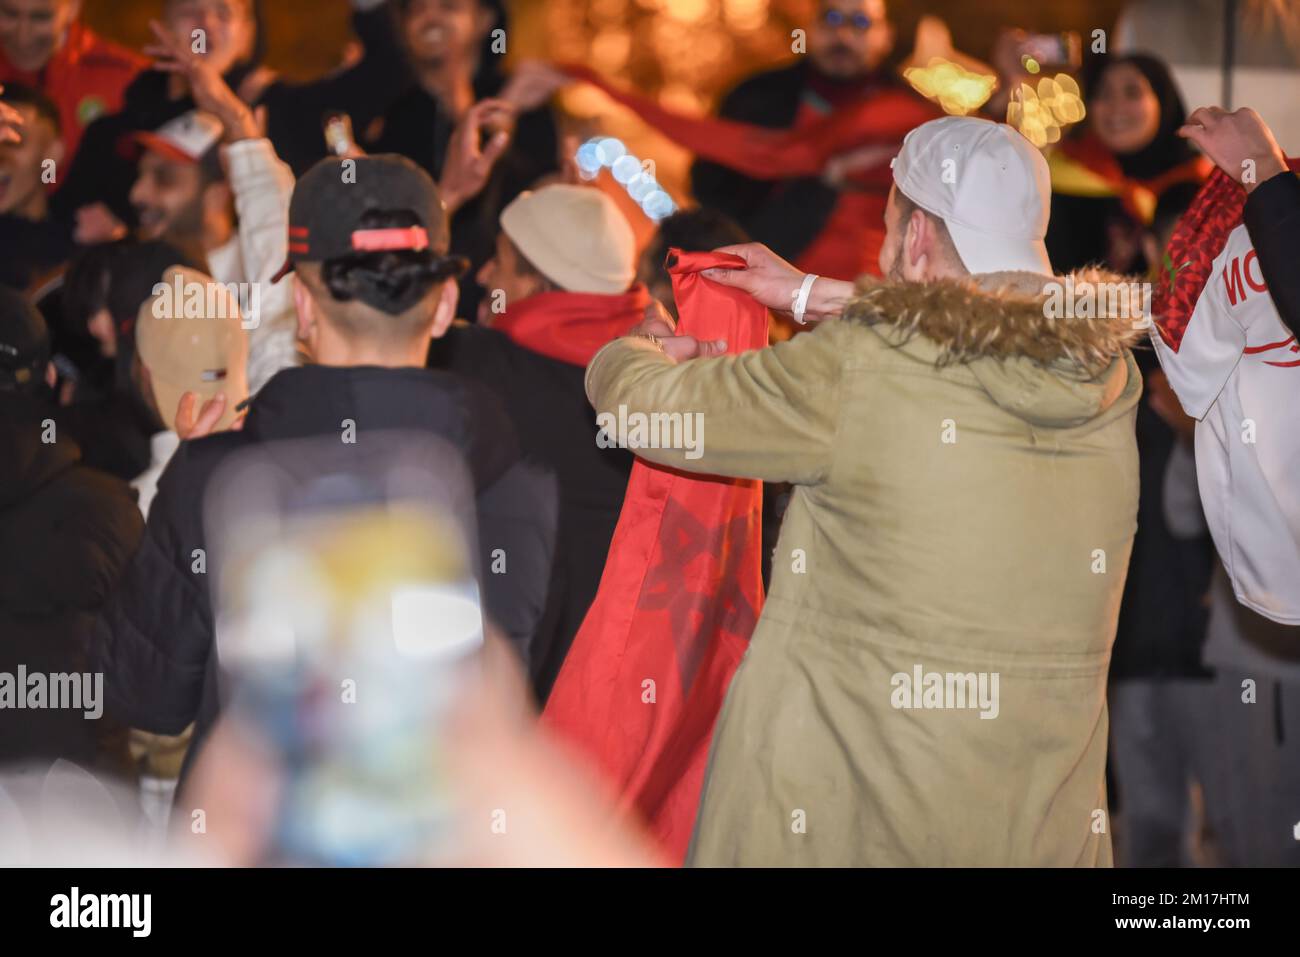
1138,196
678,600
1197,241
572,326
760,153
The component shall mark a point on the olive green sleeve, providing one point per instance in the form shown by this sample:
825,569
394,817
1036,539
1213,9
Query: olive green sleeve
768,414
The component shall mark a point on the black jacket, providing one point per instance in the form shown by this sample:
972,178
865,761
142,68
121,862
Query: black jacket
154,642
1273,221
30,251
548,405
786,215
1163,615
104,168
66,533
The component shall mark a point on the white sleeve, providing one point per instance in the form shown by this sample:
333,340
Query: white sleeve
263,185
1209,351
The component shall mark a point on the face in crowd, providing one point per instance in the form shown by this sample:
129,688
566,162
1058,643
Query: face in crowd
21,190
850,38
445,31
510,274
173,199
32,31
229,27
1125,110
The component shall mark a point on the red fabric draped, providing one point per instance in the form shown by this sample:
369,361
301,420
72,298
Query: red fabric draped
572,326
760,153
1197,241
678,600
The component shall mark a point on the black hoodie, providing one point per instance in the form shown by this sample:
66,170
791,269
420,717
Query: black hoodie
66,533
155,641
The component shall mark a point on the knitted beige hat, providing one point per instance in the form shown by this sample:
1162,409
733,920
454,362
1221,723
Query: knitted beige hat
576,237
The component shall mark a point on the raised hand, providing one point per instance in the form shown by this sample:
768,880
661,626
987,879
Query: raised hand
532,83
1239,143
195,425
469,160
11,123
172,54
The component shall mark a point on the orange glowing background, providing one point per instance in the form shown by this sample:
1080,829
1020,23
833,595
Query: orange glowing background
685,52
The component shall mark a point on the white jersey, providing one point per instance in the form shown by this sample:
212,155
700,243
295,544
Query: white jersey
1237,371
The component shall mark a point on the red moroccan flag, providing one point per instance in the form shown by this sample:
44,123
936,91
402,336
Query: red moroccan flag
761,153
677,602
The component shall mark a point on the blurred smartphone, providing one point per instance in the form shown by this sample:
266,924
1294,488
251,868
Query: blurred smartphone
348,620
339,138
1058,50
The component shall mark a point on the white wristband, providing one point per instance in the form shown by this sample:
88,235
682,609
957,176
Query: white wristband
800,297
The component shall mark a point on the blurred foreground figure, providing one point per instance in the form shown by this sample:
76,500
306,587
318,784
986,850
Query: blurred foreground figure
926,684
351,631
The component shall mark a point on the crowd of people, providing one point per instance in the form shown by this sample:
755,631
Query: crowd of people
1093,518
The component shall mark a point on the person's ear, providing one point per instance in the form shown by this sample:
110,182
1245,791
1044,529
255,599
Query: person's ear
306,308
444,310
916,246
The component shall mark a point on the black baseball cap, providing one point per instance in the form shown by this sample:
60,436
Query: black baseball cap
331,200
24,342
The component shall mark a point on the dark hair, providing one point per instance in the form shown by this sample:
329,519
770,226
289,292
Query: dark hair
21,95
1167,149
119,277
394,281
693,230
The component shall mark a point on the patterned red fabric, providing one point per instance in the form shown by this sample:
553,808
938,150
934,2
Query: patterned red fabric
645,679
572,326
760,153
1197,240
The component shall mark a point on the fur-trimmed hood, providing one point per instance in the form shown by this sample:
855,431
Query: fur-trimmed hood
1052,350
1084,320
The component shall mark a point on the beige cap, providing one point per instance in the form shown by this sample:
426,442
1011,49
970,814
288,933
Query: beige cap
189,335
576,237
